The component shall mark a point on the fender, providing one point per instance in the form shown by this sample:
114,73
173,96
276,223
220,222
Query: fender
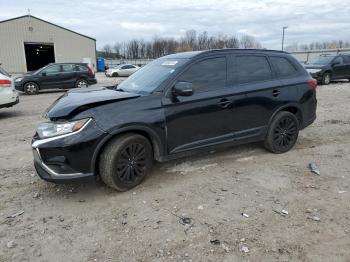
281,108
158,149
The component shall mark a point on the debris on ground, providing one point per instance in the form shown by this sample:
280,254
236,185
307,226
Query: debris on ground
245,215
215,242
16,214
36,195
11,244
244,248
200,207
342,192
285,212
282,213
314,218
313,168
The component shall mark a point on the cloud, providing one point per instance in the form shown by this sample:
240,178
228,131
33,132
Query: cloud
112,21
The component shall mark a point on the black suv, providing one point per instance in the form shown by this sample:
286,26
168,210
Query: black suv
175,106
59,75
325,68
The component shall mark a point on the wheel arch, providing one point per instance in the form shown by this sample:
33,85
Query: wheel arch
292,108
147,132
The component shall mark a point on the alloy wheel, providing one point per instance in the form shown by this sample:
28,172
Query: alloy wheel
285,133
327,79
132,163
82,84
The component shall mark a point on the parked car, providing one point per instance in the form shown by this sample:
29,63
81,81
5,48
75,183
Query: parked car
8,95
58,75
175,106
122,70
329,67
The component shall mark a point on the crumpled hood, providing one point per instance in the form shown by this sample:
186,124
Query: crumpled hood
84,98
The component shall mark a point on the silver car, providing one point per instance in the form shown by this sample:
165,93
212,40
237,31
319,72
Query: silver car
122,70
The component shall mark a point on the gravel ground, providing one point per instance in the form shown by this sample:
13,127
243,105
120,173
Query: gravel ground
94,223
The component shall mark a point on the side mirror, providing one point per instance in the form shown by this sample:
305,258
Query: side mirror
43,73
182,89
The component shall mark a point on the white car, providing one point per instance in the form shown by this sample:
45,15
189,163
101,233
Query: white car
122,70
8,93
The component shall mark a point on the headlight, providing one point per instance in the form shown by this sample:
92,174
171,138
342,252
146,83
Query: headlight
19,79
50,129
313,71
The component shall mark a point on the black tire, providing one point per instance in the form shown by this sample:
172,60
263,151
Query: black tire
81,83
115,75
126,161
326,78
31,88
282,133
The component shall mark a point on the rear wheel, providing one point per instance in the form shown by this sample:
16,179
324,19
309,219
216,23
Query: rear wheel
283,132
31,88
81,83
326,79
126,161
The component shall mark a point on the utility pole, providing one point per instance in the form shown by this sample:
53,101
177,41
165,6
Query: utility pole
284,28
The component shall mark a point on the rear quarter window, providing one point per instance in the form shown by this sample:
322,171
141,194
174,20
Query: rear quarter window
82,68
283,66
346,59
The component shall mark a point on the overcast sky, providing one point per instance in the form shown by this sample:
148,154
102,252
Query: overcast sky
111,21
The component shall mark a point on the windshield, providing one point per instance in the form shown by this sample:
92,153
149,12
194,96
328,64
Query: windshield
40,69
151,75
321,60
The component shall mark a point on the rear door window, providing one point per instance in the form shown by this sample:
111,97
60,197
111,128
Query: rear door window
206,75
252,68
67,68
54,69
283,66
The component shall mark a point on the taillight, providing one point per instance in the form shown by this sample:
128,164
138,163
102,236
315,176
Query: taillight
5,83
91,71
312,83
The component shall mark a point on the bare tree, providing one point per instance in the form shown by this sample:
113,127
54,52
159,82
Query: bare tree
158,46
249,42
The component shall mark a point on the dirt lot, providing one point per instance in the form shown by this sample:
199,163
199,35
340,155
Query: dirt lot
94,223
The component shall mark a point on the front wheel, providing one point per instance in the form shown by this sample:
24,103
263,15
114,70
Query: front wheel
125,161
282,133
115,75
326,79
81,83
31,88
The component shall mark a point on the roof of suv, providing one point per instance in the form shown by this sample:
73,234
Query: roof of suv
225,50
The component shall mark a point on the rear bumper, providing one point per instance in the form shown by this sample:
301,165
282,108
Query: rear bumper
11,103
92,81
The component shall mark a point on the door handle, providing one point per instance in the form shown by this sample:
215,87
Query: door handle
224,103
276,93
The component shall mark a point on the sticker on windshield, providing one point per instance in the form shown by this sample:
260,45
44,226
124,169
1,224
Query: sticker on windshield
169,63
